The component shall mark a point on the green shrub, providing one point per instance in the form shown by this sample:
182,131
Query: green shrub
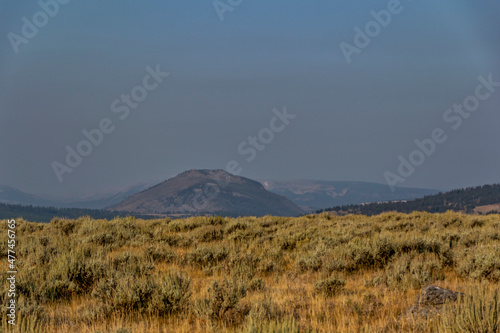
272,262
128,263
216,220
246,236
413,271
84,273
419,245
483,262
265,311
329,287
160,253
102,239
65,225
206,256
476,223
212,234
171,239
350,257
222,303
172,295
59,290
476,313
130,294
184,225
383,250
105,290
242,267
235,225
288,243
257,284
70,274
310,263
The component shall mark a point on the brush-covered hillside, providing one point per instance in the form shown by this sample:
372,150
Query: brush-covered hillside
217,192
315,273
480,199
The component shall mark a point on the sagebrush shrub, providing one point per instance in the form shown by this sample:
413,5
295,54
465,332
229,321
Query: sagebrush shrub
216,220
413,271
242,266
483,262
160,253
329,287
235,225
211,235
257,284
266,310
222,302
309,263
172,294
128,263
479,312
206,256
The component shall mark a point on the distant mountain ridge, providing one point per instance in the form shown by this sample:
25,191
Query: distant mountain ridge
13,196
467,200
209,192
243,196
308,195
311,195
107,199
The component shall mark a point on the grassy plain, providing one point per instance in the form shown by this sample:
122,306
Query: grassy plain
315,273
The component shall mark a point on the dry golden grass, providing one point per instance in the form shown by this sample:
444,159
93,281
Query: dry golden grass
281,274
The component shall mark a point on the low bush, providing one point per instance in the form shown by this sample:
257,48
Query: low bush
160,253
211,235
172,295
477,313
329,287
222,303
206,256
413,271
309,263
483,262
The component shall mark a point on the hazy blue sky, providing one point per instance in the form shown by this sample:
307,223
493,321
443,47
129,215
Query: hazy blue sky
353,120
